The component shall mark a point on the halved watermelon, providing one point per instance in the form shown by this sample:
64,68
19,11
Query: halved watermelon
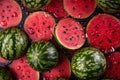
22,70
39,26
10,13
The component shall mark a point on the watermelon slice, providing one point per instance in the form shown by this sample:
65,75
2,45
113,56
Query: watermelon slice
22,70
113,66
56,8
70,34
39,26
10,13
103,32
79,8
62,69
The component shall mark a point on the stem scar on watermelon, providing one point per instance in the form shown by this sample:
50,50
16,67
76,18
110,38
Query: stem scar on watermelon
103,32
69,33
56,8
62,69
113,66
79,8
22,70
39,26
10,13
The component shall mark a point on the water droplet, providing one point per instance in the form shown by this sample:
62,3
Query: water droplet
21,60
86,35
112,49
18,67
114,62
15,14
3,23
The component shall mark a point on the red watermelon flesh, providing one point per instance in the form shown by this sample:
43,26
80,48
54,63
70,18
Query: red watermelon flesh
22,70
70,34
103,32
79,8
10,13
56,8
62,69
113,66
39,26
2,60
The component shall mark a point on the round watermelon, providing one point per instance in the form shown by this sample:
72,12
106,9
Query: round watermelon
109,6
35,4
39,26
62,71
88,64
10,13
22,70
42,55
13,42
5,74
69,33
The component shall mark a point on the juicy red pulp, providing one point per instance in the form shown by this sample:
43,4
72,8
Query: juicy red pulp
103,32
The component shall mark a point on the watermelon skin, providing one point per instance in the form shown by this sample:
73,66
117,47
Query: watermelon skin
5,74
42,55
13,42
88,64
39,26
62,71
10,13
56,8
35,4
112,70
69,33
109,6
22,70
103,32
79,9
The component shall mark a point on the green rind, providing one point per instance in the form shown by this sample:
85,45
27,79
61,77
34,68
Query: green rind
42,56
109,6
88,64
13,43
35,4
5,74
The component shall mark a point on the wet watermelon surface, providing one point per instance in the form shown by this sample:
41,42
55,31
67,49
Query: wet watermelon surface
84,23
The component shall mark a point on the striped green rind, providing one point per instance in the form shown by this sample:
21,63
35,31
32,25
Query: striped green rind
13,43
42,55
5,74
110,6
88,64
35,4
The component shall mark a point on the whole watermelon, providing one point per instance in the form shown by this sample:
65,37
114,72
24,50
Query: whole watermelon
35,4
13,42
5,74
42,55
88,64
109,6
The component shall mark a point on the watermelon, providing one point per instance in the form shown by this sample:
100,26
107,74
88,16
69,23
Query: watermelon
69,33
4,61
10,13
79,8
13,42
113,66
56,8
109,6
61,71
22,70
39,26
88,63
35,4
5,74
103,32
42,55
